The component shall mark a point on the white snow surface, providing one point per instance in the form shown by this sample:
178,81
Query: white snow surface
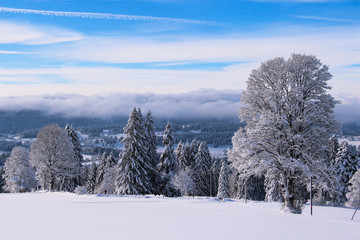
68,216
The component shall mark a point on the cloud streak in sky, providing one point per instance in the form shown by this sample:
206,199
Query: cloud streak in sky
326,19
111,16
29,34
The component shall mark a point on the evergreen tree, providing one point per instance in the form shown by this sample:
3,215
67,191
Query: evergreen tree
75,142
151,144
78,158
106,162
194,148
19,175
167,166
179,152
223,190
133,175
215,172
334,147
2,180
187,154
101,170
201,172
346,164
91,179
108,184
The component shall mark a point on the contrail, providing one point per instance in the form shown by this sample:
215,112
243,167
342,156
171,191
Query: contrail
104,16
325,18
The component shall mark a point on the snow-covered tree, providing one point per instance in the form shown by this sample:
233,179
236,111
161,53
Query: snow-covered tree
106,162
19,175
183,181
91,179
215,172
353,195
346,164
151,144
2,181
52,157
78,158
333,150
108,184
194,148
223,189
179,153
201,172
167,166
75,142
188,154
133,169
290,119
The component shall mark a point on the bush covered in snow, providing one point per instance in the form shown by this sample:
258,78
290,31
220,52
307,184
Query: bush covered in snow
80,190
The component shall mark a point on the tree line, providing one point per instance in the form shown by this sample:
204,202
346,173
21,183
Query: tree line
55,163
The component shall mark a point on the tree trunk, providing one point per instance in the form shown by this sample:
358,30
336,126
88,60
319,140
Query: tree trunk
288,190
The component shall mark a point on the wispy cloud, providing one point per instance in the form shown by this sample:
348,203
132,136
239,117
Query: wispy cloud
13,52
326,19
111,16
29,34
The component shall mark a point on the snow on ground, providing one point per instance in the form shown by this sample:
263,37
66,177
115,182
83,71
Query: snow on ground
68,216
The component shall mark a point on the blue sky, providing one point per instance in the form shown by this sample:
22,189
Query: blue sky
169,46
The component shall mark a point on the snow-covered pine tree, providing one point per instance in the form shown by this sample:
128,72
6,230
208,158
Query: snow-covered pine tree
106,162
187,154
194,148
167,166
215,172
151,144
100,172
346,164
290,119
2,181
333,150
52,157
201,172
179,153
353,194
78,158
108,184
19,175
223,189
76,143
133,174
91,179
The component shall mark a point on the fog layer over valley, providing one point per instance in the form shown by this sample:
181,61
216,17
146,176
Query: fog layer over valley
204,104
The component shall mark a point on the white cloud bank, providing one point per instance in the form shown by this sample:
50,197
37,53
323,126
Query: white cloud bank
203,103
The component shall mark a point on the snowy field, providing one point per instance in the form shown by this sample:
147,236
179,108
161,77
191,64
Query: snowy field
65,216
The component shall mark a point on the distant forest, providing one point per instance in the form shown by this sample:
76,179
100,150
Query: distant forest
27,123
